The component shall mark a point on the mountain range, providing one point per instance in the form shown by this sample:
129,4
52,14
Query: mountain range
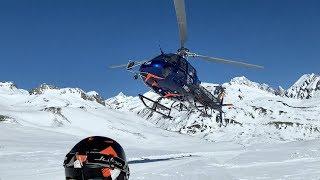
258,110
268,133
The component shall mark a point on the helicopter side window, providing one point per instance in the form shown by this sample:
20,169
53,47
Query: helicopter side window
172,59
183,64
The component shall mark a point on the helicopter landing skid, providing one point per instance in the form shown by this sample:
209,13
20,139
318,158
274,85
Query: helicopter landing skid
205,111
155,106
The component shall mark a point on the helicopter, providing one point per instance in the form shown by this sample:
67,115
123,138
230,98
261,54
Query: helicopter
171,76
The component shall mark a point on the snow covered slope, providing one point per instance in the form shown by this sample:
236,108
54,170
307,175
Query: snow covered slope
37,154
269,135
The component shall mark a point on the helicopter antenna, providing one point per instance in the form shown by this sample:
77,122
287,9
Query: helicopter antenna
160,49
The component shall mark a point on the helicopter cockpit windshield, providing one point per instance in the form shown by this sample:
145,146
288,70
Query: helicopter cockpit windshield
172,58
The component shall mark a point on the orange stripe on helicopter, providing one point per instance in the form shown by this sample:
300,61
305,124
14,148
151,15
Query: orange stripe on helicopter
169,95
155,84
149,76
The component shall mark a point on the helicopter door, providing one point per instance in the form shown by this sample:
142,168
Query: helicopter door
191,75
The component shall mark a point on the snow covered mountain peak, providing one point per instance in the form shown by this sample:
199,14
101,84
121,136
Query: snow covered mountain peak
10,85
42,89
121,101
240,80
10,88
306,87
94,96
246,82
50,90
120,95
49,96
92,93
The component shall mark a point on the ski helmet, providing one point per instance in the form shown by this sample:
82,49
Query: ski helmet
96,157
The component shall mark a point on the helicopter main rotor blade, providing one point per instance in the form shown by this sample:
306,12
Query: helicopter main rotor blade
226,61
118,66
182,21
135,63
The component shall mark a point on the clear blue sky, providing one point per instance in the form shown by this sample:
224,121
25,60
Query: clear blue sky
70,43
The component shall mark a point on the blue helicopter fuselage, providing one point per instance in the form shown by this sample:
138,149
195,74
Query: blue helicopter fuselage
171,76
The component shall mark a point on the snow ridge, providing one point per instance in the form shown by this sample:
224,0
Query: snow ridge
244,81
48,96
10,88
306,87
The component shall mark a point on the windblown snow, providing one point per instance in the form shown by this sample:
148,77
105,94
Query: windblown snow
269,133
